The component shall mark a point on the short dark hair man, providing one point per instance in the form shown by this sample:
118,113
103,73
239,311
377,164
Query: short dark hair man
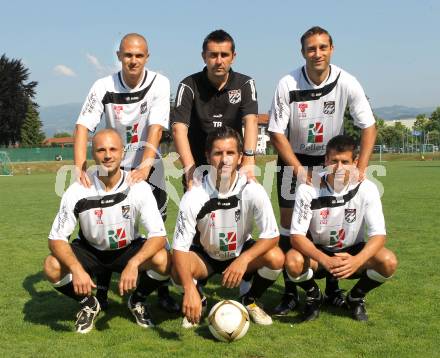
334,216
214,227
307,111
210,99
108,239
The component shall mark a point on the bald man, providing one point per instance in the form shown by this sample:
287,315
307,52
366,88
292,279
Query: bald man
136,102
108,239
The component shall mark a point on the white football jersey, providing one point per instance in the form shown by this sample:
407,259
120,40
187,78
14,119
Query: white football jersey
224,222
129,110
337,220
309,115
107,219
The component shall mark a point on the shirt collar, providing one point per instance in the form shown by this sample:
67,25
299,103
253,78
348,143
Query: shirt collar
228,84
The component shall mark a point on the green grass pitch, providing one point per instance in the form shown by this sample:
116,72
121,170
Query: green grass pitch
37,321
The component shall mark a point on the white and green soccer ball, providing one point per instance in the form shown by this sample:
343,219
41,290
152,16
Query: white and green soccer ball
228,321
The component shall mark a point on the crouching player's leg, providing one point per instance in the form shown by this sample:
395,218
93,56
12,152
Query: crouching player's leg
374,273
75,282
188,268
263,268
144,278
301,270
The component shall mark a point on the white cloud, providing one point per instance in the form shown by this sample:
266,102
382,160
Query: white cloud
101,69
63,70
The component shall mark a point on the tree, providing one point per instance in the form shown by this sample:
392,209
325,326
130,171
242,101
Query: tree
62,135
31,131
434,120
349,127
15,95
421,123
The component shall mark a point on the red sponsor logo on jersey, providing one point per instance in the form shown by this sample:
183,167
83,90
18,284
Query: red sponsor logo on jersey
132,133
337,237
98,213
228,241
117,110
117,238
302,107
324,213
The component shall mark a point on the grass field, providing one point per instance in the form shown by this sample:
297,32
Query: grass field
404,313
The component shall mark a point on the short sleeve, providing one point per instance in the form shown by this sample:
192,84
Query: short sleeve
302,212
279,114
65,221
248,104
263,213
374,218
92,108
359,106
183,104
160,108
185,224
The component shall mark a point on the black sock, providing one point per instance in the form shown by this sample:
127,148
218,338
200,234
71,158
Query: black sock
311,288
145,286
289,286
331,283
363,286
163,290
70,292
103,283
259,286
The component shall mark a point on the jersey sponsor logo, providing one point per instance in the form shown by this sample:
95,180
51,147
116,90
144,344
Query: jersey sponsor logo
302,110
324,213
132,134
304,209
90,104
329,107
117,238
350,215
316,133
98,214
237,215
125,211
217,124
336,237
117,109
144,107
212,217
228,241
234,96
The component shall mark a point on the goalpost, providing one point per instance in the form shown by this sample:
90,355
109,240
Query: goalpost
5,164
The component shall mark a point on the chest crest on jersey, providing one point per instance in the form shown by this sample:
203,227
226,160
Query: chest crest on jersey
234,96
329,107
350,215
125,211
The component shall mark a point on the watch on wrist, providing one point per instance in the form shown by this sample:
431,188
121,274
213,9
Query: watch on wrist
249,153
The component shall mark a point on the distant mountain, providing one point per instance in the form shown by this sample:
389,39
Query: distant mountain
401,112
62,118
59,118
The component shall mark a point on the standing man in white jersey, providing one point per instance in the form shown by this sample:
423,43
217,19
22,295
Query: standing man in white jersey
134,101
213,232
108,239
307,111
328,232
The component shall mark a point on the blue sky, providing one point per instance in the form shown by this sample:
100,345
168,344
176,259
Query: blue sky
392,47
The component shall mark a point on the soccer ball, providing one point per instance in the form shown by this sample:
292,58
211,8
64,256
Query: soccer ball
228,321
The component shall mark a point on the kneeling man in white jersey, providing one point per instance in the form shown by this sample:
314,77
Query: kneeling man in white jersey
108,239
328,232
213,232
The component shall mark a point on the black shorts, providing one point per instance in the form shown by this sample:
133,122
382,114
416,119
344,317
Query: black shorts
218,266
96,261
159,194
352,250
284,242
286,181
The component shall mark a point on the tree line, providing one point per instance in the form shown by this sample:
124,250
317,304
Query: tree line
20,122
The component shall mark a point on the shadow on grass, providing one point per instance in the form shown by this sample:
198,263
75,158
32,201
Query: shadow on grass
47,307
52,309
